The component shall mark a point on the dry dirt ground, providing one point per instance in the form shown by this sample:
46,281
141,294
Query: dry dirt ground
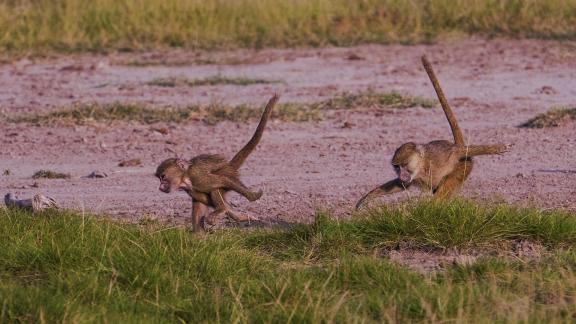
493,85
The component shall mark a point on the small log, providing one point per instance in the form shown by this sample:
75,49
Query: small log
38,203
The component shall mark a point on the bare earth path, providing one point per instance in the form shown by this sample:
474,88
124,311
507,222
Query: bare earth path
493,85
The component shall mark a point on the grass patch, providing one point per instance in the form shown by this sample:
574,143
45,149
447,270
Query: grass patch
552,118
371,99
210,81
48,174
77,25
145,62
176,62
212,114
59,266
217,112
456,225
84,113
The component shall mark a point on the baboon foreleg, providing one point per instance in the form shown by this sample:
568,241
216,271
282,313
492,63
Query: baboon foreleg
454,180
389,187
219,205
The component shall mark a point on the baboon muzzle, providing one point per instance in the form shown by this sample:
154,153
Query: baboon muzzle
405,176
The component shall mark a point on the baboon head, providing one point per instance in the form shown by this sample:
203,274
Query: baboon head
171,173
407,162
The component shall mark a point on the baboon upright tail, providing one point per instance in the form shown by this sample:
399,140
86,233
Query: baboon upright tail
456,132
241,156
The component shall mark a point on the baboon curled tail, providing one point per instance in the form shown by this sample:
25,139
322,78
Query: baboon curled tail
241,156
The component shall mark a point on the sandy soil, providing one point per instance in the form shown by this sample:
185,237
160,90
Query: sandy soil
493,85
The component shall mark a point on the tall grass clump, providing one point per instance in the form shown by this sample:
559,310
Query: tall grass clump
456,225
100,25
59,266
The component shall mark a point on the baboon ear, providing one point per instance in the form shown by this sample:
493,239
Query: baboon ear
176,155
181,163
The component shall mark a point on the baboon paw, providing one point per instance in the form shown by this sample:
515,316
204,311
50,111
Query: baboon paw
200,230
256,195
208,227
505,148
251,218
210,221
242,218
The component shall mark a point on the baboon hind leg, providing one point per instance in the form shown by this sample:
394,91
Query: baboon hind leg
236,185
221,207
454,180
240,218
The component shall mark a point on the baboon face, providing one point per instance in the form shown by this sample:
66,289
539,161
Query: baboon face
406,162
406,172
167,184
170,176
403,173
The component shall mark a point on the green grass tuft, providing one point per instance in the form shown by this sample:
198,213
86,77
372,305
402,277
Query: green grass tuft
217,112
552,118
211,81
84,113
370,99
59,266
102,25
48,174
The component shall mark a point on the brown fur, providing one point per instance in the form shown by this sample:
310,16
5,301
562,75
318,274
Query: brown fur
438,166
208,177
204,173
